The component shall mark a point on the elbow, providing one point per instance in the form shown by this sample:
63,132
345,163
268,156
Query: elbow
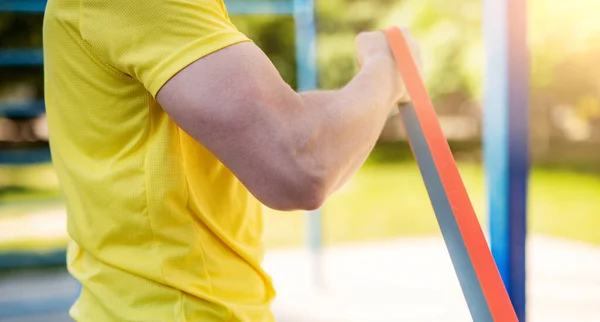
312,197
304,192
294,180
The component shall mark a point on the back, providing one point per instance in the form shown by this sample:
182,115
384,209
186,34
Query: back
161,230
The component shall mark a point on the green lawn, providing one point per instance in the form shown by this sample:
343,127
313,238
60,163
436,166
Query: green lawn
381,201
384,201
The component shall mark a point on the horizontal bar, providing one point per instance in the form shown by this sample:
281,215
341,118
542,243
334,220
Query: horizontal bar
21,57
23,156
33,307
236,7
28,6
22,109
55,257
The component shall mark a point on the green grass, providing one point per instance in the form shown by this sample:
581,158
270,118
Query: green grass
387,201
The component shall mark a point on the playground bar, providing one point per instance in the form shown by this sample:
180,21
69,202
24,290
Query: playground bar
304,19
506,119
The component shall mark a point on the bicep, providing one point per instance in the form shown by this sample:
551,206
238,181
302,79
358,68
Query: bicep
229,96
235,103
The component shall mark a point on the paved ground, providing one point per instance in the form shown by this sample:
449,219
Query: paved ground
413,280
401,280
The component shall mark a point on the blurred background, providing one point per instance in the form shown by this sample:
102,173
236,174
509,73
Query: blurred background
385,206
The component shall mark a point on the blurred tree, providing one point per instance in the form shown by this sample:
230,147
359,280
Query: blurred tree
275,36
564,38
449,32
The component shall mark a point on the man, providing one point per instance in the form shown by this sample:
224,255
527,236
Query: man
168,129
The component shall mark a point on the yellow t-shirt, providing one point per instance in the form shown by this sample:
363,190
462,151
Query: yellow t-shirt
161,230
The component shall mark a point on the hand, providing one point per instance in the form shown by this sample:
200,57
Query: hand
373,46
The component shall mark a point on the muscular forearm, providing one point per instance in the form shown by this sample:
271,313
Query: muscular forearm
290,150
342,126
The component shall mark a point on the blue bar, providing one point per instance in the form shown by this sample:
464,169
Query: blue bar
24,156
506,148
235,7
21,57
27,6
306,62
35,307
22,109
238,7
306,39
33,259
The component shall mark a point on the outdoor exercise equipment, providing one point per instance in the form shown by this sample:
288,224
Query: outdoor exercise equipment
506,139
477,273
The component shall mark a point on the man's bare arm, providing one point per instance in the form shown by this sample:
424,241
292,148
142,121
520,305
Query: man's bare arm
290,150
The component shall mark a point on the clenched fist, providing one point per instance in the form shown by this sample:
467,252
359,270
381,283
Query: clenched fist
373,45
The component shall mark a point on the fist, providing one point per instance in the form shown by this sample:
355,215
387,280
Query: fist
373,45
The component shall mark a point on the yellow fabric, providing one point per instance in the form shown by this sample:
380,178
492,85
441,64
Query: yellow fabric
161,230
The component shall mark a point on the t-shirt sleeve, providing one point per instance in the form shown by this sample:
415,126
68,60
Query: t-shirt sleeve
152,40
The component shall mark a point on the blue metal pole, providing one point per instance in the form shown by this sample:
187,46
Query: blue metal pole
305,32
506,140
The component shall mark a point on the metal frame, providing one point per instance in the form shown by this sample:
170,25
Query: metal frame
506,122
54,257
305,39
16,57
304,20
22,109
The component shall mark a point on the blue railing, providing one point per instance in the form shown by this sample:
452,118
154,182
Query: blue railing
302,10
37,259
27,6
21,57
22,109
